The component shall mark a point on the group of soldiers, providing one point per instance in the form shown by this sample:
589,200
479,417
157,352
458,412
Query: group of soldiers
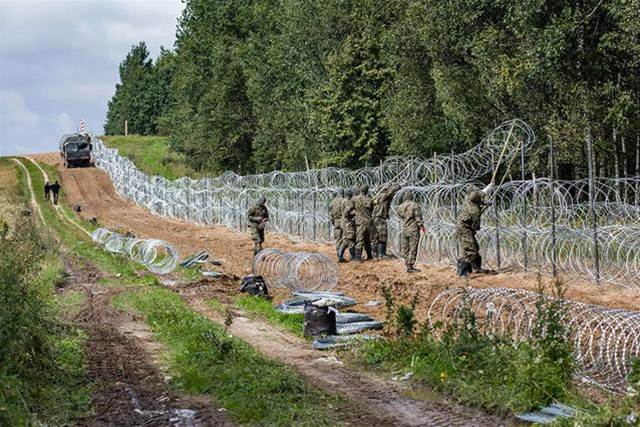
53,189
360,225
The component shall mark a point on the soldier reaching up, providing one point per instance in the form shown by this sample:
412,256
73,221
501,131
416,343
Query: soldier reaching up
258,216
412,226
380,214
467,227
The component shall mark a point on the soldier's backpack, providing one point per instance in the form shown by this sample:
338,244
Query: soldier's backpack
255,285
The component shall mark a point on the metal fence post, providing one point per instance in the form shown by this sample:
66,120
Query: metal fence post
313,195
554,247
523,218
497,216
592,206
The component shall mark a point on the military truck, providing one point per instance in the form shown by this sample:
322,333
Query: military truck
75,150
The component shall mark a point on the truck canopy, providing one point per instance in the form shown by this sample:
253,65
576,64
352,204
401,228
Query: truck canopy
74,142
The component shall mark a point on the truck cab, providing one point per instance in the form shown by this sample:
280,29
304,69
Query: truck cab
76,150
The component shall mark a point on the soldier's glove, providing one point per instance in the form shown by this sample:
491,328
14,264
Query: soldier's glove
489,189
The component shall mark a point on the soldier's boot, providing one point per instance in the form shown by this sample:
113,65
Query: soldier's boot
477,266
352,253
358,255
367,249
464,268
382,250
340,252
412,269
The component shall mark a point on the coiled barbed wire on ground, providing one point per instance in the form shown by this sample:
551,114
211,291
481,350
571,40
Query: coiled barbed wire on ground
156,255
516,232
604,340
308,271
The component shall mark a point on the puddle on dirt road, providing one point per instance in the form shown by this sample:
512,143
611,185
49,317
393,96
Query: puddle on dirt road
421,392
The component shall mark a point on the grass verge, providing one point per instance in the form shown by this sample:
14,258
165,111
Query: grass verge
152,154
42,361
264,309
255,390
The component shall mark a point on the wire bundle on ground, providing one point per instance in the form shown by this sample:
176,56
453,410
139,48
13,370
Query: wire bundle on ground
156,255
307,271
605,341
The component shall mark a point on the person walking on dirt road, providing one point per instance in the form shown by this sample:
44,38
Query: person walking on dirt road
412,226
347,222
466,228
55,189
334,217
258,216
380,214
47,190
363,207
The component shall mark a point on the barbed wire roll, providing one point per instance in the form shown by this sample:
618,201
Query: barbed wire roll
604,340
308,271
156,255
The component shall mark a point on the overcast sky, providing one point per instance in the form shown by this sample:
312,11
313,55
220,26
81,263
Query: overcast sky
59,62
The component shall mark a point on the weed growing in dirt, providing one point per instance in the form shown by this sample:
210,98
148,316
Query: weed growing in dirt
255,390
42,367
264,309
475,366
400,318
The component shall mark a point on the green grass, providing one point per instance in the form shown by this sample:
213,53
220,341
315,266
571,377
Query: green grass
152,154
42,360
264,309
70,302
255,390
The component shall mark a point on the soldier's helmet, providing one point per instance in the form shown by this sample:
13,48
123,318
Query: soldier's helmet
476,197
262,200
348,193
407,196
364,189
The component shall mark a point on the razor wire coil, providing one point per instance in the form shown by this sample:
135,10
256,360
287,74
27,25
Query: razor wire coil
156,255
604,340
309,271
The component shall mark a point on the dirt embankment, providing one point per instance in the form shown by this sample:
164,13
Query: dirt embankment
93,190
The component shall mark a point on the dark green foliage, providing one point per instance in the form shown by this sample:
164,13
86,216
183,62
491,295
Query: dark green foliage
292,84
143,93
481,369
400,319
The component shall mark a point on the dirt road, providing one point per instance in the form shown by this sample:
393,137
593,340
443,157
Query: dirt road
92,189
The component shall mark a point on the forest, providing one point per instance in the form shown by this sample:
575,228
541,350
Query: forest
252,86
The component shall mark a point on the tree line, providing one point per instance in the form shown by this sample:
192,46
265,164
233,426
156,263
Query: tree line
258,85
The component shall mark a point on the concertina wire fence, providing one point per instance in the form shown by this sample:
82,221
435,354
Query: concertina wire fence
604,340
584,228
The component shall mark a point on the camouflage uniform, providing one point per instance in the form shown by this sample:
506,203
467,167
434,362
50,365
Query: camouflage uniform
467,226
258,215
363,207
347,222
380,213
411,216
335,214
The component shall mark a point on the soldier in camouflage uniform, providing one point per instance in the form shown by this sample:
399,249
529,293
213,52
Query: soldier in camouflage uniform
335,215
466,229
363,207
347,221
412,226
258,216
380,213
